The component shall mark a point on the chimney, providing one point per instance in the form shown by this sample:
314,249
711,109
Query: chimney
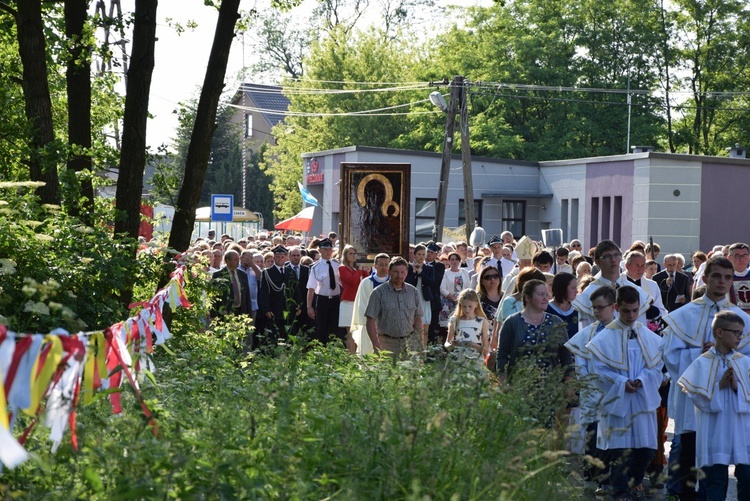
737,151
642,149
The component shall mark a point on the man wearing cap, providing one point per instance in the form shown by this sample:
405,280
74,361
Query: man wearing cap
272,295
496,247
233,287
324,294
438,270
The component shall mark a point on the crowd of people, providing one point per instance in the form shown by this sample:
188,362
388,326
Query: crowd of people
639,340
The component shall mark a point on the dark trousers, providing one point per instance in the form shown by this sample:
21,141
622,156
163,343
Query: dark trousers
688,478
717,481
591,472
433,335
327,319
627,468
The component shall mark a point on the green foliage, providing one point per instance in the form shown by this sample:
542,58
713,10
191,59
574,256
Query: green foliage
343,55
310,423
57,272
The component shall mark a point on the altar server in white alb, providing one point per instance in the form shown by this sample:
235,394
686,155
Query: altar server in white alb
603,305
718,384
687,335
627,361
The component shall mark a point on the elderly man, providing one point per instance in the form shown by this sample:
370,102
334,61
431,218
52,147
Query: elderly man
394,313
673,284
234,290
253,273
635,270
324,294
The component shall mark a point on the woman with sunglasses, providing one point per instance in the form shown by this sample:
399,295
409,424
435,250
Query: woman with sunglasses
489,290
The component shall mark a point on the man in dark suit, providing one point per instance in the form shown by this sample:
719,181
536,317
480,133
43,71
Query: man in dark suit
673,284
297,276
234,291
272,296
438,271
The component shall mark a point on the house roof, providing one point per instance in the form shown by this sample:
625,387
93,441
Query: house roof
267,98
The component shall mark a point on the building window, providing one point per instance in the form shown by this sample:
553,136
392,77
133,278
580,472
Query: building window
606,217
424,218
514,217
617,221
248,125
477,212
573,218
564,225
594,220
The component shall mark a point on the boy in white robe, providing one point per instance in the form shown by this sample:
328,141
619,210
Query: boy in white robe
603,306
718,384
627,360
687,335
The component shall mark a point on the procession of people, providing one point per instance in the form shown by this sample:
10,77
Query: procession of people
631,345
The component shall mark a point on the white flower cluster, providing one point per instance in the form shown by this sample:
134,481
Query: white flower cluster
36,307
7,267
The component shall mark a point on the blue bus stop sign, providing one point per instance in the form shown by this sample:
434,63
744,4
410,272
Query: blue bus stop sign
222,208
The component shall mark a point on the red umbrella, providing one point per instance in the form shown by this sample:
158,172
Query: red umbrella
302,221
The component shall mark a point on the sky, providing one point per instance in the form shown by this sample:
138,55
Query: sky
181,58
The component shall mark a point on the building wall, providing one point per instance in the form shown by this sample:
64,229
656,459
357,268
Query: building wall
566,211
425,169
723,187
605,182
672,219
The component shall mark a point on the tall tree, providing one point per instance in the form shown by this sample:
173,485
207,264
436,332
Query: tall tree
715,51
78,84
133,154
32,49
205,124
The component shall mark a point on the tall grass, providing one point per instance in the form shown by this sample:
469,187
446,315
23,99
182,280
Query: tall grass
311,422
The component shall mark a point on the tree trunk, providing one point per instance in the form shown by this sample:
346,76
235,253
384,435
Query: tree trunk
203,129
133,155
79,105
31,48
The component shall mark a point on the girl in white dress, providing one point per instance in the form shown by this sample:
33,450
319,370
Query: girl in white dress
468,329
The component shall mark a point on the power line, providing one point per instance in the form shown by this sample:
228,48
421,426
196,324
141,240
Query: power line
318,91
371,112
608,103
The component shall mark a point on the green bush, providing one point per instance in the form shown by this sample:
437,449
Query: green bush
56,271
309,423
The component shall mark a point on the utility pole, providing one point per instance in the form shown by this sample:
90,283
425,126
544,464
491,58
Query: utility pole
450,125
466,162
